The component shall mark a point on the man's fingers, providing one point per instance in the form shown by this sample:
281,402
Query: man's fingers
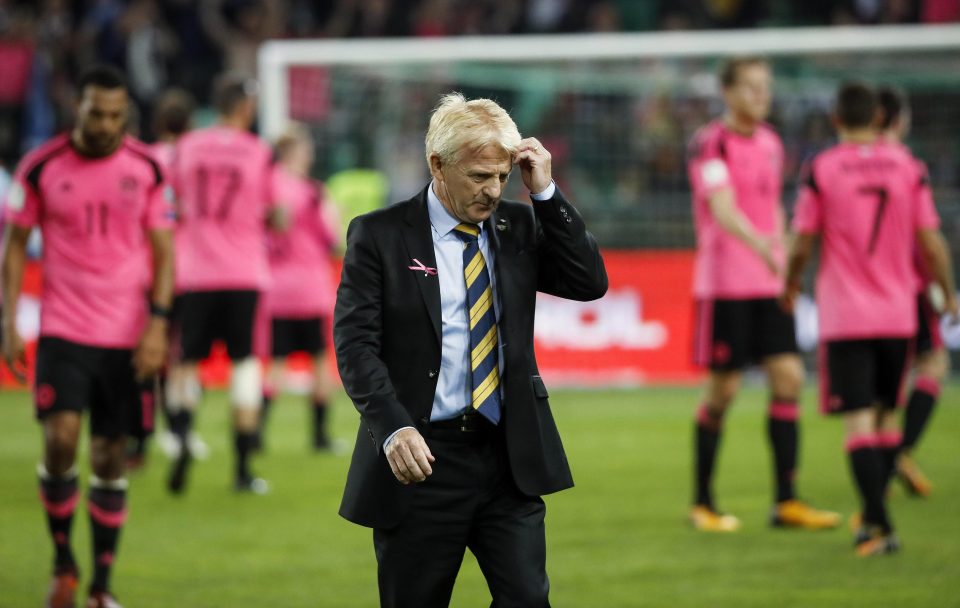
413,467
422,455
398,465
396,470
523,156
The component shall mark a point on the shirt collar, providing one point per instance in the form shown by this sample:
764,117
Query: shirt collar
441,219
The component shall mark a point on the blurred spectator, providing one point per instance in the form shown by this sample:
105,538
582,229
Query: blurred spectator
16,57
940,11
239,27
368,18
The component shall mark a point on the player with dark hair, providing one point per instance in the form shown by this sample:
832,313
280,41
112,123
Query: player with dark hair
100,200
870,203
735,171
222,176
932,359
300,298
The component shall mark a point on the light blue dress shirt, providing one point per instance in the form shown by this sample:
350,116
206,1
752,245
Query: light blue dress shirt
452,397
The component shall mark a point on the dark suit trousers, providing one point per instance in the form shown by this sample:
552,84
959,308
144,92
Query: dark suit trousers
470,501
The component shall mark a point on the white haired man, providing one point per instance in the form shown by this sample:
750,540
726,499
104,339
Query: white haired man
433,330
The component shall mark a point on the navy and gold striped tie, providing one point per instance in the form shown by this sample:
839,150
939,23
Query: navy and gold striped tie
484,364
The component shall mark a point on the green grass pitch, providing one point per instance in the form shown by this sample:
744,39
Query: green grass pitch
618,539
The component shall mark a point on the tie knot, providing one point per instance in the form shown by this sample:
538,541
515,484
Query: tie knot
467,232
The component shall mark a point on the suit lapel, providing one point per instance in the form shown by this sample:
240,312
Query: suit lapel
497,235
418,238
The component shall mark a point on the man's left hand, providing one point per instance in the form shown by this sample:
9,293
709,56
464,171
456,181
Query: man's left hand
534,162
151,352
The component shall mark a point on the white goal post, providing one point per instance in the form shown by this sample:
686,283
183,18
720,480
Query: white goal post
276,55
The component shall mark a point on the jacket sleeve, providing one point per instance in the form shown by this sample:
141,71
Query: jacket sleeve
357,330
570,265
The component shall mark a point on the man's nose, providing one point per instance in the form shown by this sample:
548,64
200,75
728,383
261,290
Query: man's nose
493,189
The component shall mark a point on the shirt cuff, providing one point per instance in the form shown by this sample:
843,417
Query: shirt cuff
546,194
392,435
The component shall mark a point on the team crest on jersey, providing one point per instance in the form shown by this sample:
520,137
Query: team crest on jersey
128,183
16,197
45,396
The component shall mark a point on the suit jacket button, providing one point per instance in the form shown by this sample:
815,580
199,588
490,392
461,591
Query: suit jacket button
432,373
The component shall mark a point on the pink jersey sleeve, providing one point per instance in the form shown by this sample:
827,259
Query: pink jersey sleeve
160,213
707,168
808,215
24,205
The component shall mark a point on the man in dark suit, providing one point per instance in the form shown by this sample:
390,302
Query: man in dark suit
434,339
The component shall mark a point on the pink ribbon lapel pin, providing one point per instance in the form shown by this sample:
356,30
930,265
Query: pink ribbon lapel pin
420,267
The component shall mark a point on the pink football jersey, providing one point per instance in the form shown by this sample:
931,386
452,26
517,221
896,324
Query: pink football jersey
752,166
222,180
923,275
165,152
301,282
867,203
95,215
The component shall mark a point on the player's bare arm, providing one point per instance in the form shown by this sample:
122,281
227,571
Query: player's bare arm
723,206
151,352
14,260
937,254
801,249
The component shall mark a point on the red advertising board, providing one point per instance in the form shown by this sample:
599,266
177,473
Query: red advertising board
639,333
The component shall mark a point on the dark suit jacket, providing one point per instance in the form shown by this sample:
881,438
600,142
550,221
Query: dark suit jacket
387,335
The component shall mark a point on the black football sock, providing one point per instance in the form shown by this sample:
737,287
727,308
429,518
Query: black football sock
319,410
243,443
782,429
919,407
60,495
707,437
867,467
108,511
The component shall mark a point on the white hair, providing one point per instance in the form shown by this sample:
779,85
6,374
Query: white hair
458,124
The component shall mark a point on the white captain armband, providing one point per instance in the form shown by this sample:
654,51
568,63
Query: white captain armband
714,172
16,196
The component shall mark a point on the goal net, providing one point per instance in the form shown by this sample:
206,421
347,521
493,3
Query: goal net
615,110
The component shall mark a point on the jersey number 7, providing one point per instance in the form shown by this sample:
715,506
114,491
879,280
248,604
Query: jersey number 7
881,193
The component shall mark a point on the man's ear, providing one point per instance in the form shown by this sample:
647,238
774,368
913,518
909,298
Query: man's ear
435,167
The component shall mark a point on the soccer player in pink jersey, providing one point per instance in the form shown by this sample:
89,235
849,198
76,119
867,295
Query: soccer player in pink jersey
932,360
301,294
735,172
222,176
869,203
171,119
99,198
